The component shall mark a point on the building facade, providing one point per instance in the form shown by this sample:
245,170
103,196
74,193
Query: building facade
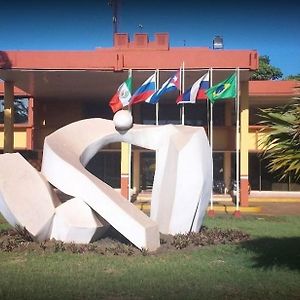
45,90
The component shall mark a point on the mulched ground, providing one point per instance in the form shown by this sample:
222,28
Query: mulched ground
115,244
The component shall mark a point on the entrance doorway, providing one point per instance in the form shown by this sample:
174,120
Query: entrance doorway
147,170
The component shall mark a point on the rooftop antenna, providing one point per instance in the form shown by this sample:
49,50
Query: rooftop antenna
115,4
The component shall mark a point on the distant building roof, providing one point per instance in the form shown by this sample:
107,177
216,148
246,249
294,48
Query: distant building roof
274,88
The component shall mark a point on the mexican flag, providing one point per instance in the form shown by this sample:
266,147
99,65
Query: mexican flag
223,90
122,96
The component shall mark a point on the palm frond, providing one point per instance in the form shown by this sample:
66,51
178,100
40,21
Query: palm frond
281,139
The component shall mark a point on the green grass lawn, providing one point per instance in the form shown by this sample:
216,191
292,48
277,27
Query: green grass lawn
265,267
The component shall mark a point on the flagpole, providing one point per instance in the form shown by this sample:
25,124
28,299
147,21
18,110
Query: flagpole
129,105
157,104
129,148
237,140
211,145
182,91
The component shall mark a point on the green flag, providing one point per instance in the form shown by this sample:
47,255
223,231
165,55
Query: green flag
223,90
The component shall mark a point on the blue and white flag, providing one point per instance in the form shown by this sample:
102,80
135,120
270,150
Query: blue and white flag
173,83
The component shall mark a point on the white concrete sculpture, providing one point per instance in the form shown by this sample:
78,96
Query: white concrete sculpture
25,197
64,160
181,187
26,200
182,182
74,221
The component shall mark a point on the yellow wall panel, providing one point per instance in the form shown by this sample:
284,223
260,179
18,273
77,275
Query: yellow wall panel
20,139
125,148
1,139
254,141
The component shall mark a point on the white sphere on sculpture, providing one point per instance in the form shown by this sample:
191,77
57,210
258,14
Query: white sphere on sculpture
123,120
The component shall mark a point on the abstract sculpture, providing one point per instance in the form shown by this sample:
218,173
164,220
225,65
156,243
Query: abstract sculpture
181,187
25,197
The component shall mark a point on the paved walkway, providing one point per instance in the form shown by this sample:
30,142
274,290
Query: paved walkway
260,203
280,209
275,204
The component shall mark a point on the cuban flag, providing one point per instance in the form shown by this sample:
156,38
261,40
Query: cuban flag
145,91
196,91
173,83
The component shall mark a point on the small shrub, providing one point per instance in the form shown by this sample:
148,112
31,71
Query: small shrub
59,246
144,251
208,237
20,240
43,245
23,232
181,241
9,245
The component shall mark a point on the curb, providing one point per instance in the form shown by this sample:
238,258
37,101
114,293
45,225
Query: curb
145,207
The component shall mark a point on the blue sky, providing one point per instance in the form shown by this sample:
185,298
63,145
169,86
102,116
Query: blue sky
270,28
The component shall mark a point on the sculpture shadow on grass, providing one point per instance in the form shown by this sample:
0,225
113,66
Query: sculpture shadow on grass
275,252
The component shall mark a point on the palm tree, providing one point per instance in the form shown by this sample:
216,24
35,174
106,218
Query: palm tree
281,139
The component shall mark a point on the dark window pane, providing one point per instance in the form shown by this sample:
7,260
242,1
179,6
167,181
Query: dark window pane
148,113
169,114
21,110
107,167
147,170
219,113
218,173
96,110
196,114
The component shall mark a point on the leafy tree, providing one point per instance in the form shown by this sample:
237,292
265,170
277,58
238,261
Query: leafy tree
281,141
295,77
266,71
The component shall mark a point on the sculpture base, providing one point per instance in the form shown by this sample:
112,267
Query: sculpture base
237,214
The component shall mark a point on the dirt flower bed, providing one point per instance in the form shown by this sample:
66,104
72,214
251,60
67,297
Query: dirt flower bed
113,243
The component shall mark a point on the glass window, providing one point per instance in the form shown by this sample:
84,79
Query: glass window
147,170
148,113
263,180
21,110
96,110
107,167
196,114
219,113
218,173
254,171
169,114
